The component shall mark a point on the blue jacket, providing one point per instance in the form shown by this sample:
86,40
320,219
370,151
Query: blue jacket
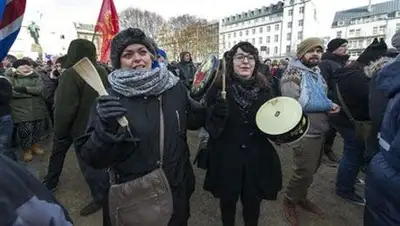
25,201
382,178
389,137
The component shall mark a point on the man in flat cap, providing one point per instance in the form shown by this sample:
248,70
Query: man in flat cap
303,81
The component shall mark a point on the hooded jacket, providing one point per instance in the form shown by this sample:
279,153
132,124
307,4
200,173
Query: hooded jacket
74,97
291,87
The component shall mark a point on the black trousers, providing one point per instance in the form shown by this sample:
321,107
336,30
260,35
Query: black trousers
251,210
97,180
57,158
329,139
250,203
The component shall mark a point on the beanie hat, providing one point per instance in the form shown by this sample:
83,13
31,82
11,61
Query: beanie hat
128,37
396,40
162,53
21,62
373,52
334,44
307,45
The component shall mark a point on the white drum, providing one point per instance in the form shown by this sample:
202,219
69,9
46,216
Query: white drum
282,120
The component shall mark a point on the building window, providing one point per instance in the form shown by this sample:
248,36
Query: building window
253,41
234,34
276,27
301,22
261,29
351,32
260,40
276,50
289,36
341,23
289,24
247,32
375,31
268,39
300,35
360,44
339,34
291,2
382,29
301,10
358,32
267,50
397,26
276,37
254,31
290,12
229,35
288,49
268,28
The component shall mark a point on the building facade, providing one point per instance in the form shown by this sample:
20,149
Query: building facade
86,31
361,25
275,30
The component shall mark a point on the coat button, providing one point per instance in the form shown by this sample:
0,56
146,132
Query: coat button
246,122
243,146
251,134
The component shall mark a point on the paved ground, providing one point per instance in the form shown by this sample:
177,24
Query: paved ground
73,193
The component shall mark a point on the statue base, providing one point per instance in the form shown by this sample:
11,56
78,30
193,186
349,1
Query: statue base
36,48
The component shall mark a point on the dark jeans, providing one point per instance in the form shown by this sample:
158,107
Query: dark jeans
329,139
351,162
97,180
6,132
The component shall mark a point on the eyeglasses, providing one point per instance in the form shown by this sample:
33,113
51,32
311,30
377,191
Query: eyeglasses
241,57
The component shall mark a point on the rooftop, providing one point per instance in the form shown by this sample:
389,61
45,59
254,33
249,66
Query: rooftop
388,8
252,14
87,27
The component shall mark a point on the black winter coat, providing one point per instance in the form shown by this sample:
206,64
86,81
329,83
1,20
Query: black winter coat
330,63
133,157
239,152
354,87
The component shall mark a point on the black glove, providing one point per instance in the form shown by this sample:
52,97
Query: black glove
20,89
109,110
221,106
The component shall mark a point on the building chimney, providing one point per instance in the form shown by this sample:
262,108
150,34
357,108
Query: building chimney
369,6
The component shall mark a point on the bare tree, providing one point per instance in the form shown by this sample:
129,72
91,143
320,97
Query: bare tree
151,23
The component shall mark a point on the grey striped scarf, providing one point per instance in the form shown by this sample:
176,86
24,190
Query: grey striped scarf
148,82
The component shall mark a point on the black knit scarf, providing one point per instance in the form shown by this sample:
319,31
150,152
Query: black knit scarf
245,92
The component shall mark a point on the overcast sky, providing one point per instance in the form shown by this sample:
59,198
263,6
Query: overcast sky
86,11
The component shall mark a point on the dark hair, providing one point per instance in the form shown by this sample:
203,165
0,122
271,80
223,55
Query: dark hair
248,48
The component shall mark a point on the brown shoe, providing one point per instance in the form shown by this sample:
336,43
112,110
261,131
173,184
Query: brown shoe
311,207
289,210
37,150
28,156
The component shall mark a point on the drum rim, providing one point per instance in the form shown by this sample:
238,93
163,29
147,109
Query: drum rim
288,129
199,93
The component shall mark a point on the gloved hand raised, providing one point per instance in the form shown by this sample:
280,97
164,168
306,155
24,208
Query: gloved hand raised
109,110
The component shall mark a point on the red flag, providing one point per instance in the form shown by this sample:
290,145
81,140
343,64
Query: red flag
108,25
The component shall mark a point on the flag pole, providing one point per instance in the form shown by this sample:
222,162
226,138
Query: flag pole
94,34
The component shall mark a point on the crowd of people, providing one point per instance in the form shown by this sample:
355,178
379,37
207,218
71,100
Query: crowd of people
141,173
